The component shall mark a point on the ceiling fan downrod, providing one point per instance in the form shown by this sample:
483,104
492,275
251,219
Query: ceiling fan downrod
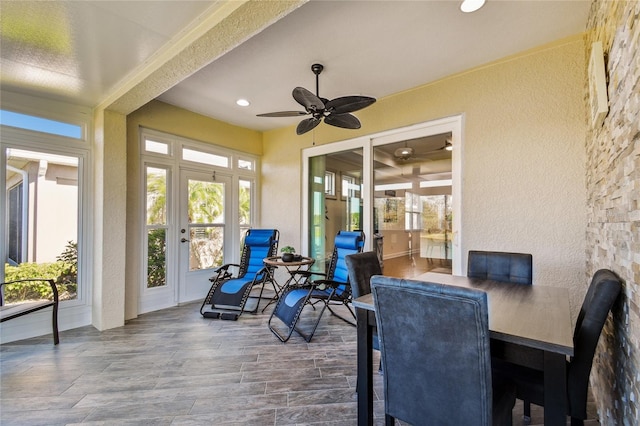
317,69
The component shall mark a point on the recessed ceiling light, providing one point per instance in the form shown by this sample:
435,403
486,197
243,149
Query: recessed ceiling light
469,6
243,102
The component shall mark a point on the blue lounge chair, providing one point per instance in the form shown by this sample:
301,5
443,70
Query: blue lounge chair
228,295
318,287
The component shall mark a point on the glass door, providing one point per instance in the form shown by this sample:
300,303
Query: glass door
205,229
412,204
401,187
335,200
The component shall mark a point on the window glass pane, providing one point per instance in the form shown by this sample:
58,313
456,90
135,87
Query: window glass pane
38,124
156,258
330,183
244,201
157,147
329,214
206,202
42,226
205,247
204,158
350,187
245,165
156,196
15,222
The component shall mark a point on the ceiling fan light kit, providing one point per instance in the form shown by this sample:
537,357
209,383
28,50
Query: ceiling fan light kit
335,112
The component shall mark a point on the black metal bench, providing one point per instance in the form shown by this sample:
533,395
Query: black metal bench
9,312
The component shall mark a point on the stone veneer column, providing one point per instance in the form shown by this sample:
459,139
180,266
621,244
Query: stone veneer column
613,208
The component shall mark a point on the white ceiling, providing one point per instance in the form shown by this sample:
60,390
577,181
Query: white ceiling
81,51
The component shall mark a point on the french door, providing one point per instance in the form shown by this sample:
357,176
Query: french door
199,200
205,222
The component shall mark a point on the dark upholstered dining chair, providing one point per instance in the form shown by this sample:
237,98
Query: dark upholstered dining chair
500,266
361,267
602,293
434,341
509,268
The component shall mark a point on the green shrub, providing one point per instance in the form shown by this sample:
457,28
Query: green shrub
64,272
30,291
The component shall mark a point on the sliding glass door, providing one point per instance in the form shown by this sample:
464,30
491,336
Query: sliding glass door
401,188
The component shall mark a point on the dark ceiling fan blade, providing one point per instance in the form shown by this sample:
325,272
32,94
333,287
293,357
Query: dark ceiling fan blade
308,100
308,124
347,104
346,121
283,114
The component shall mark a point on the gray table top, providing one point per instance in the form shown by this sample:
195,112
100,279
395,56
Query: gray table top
536,316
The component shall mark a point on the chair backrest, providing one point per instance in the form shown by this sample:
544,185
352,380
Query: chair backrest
601,295
361,267
258,244
500,266
346,243
435,351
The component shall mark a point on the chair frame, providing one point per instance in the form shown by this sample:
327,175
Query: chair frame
322,290
605,288
223,275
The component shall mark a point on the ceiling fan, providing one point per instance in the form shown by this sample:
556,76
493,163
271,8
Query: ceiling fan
335,112
408,153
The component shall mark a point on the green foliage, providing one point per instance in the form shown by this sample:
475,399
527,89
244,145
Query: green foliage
156,272
30,291
69,259
288,249
64,272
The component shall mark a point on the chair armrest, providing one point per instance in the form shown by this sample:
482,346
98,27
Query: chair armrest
307,273
222,272
225,267
327,283
54,288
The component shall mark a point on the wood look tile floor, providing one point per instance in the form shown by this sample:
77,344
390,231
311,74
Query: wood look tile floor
173,367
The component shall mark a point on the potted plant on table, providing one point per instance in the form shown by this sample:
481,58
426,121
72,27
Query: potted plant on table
288,253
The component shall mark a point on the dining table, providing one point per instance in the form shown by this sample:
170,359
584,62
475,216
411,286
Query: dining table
534,318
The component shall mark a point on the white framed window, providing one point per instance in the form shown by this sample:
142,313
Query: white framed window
330,184
46,224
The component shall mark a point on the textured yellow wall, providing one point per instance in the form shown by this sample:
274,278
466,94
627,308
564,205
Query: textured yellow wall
110,220
523,157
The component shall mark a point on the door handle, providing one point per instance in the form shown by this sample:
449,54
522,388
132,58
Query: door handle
183,240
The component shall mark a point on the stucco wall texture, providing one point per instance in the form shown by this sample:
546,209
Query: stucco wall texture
523,157
613,208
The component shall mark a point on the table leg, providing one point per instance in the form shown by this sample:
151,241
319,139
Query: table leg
365,368
555,389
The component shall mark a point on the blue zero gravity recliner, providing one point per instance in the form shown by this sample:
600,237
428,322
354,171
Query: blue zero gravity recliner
318,288
229,295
